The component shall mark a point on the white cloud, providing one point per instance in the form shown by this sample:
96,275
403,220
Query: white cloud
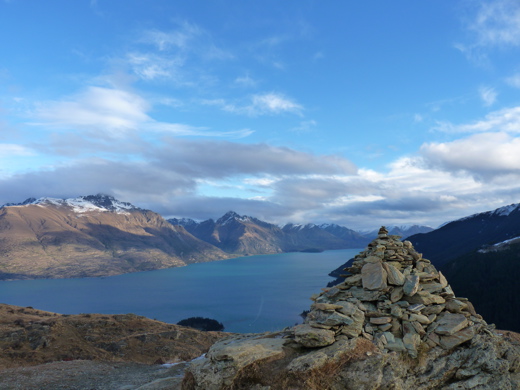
112,110
10,150
507,119
497,23
109,112
488,95
245,81
485,155
260,104
514,80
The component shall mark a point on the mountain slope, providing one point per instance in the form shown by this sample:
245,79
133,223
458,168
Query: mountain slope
238,234
91,236
490,280
468,234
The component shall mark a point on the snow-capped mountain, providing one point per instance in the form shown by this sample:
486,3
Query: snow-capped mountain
82,204
468,234
404,231
241,234
94,235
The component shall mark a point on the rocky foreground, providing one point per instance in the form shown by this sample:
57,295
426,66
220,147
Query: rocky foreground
394,323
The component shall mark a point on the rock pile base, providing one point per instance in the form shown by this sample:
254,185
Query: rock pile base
394,298
393,323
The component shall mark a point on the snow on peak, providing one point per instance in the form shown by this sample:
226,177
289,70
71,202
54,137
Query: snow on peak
232,216
83,204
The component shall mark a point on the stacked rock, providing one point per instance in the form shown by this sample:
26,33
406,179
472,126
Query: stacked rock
394,298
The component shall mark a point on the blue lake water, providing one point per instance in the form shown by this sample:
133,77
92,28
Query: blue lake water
247,294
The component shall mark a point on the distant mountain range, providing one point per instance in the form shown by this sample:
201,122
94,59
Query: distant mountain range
246,235
98,235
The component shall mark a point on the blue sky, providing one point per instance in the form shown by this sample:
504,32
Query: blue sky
357,113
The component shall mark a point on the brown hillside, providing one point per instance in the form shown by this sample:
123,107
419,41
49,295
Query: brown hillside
54,241
29,337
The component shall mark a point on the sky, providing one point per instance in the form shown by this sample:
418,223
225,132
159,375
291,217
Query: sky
362,113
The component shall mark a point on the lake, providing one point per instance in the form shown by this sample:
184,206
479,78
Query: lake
247,294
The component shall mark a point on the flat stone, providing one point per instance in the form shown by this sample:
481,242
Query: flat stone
397,345
442,279
455,306
411,341
449,342
374,276
311,337
416,307
326,306
373,259
397,294
432,287
380,320
425,298
433,309
411,285
450,323
420,318
394,276
329,318
353,280
365,295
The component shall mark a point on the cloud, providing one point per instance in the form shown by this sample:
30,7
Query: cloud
490,24
496,23
260,104
220,159
10,150
514,80
506,119
483,155
175,55
488,95
114,113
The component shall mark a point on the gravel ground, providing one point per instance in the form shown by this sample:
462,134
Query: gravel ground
91,375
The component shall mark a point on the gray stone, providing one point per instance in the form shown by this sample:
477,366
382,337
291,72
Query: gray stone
456,306
425,298
396,294
397,345
450,323
373,276
311,337
411,285
380,320
416,307
365,295
394,276
457,338
328,318
420,318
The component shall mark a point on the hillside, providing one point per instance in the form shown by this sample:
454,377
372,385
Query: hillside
469,234
490,279
91,236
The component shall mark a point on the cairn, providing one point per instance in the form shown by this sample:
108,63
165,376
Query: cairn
394,298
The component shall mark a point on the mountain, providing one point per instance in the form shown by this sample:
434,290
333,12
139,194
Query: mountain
404,231
489,277
94,235
245,235
469,234
237,234
321,237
